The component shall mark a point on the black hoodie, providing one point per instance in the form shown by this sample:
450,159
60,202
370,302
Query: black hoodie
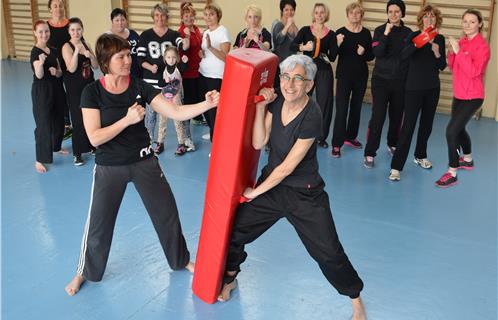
387,51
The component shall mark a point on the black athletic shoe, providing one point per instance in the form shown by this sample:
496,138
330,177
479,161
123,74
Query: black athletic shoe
78,161
336,152
447,180
323,144
465,165
159,148
68,132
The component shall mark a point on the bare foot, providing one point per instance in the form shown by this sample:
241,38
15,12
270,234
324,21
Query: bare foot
359,312
62,151
226,291
40,168
190,267
74,286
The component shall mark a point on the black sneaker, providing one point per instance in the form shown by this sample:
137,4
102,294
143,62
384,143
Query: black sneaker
323,144
159,148
447,180
68,132
78,161
465,165
336,152
181,150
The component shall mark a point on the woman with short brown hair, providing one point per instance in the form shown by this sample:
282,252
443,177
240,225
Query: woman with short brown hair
113,115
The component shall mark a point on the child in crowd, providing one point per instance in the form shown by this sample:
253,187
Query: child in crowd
172,90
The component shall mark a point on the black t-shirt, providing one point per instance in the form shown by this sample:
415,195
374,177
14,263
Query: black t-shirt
264,36
58,37
423,66
306,125
351,65
328,46
133,143
50,61
133,39
151,48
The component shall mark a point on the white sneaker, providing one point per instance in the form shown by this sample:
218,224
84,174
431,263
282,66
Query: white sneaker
394,175
424,163
206,136
189,144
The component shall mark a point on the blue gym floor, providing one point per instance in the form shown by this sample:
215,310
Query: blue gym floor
423,252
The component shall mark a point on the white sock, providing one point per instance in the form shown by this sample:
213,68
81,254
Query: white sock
467,157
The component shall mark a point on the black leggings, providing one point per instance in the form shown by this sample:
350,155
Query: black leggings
309,213
423,102
456,135
191,93
349,97
206,85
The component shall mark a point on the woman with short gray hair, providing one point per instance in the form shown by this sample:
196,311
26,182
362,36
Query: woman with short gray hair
290,185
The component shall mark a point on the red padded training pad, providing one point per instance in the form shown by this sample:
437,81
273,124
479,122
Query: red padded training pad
233,163
424,37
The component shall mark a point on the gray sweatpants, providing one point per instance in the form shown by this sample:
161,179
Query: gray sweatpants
109,185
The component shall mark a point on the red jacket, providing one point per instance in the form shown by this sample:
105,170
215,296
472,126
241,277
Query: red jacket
193,52
468,67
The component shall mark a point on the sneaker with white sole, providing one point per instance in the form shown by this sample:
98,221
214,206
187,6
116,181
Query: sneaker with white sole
78,161
189,144
369,162
394,175
423,163
336,152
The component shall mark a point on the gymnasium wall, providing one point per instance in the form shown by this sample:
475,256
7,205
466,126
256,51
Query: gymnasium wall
4,51
95,15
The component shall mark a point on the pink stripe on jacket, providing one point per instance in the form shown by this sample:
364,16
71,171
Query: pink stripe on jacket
468,67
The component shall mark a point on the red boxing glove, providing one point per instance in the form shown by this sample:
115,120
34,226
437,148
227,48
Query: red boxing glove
424,37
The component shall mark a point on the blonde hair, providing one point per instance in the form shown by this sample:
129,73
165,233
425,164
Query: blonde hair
214,7
171,48
354,5
255,9
325,7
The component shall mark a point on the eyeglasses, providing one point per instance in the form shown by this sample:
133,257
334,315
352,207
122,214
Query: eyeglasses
298,80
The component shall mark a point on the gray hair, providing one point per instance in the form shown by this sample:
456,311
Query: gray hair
299,59
161,7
